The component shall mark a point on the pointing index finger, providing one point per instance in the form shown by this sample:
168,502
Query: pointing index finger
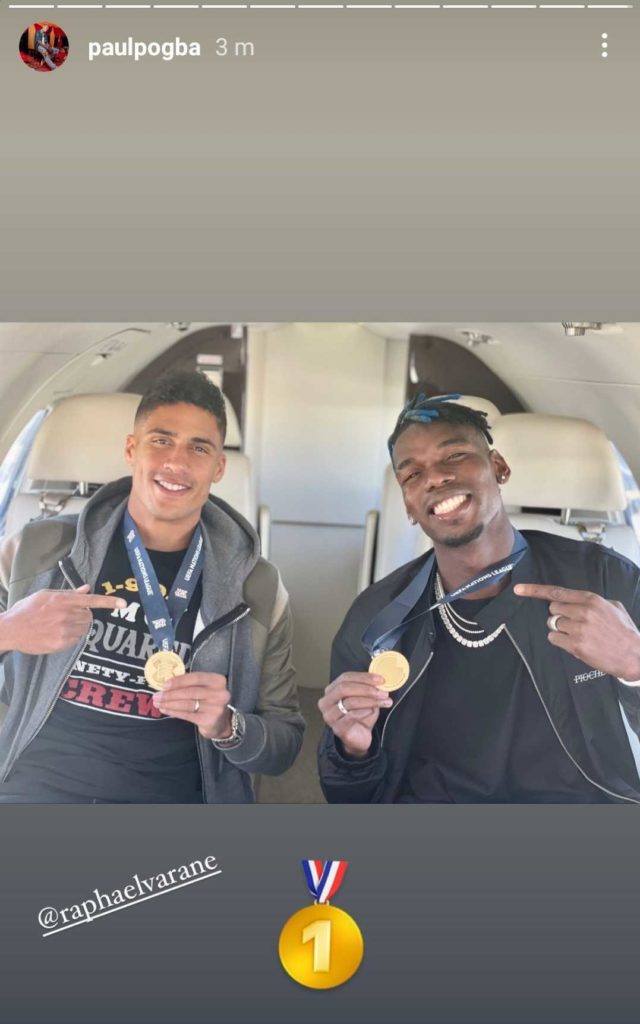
97,601
550,593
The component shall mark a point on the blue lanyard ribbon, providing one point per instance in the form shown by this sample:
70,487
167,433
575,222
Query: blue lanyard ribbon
163,616
386,629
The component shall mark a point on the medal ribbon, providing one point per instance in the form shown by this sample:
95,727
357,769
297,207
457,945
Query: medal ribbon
163,616
324,877
386,629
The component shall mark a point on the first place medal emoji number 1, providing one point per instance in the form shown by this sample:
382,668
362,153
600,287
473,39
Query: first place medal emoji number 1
321,946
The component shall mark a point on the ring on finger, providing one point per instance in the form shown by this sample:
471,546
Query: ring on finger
341,707
196,707
552,623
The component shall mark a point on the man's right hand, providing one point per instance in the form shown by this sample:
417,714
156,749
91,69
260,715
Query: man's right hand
51,620
362,700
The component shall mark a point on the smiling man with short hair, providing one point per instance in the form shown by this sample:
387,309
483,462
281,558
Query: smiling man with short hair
522,651
147,645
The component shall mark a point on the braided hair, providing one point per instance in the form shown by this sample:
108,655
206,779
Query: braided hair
426,410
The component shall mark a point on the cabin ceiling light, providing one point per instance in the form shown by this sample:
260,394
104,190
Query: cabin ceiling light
180,325
413,369
115,343
578,328
475,338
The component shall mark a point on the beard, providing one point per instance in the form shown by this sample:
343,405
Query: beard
465,538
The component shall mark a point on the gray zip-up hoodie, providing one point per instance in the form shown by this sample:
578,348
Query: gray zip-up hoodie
243,631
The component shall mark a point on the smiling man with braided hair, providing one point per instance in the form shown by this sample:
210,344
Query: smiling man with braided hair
506,699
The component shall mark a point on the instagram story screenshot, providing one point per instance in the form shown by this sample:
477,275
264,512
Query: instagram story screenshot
319,512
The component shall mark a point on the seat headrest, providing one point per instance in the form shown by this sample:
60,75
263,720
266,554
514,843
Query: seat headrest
558,462
234,437
83,437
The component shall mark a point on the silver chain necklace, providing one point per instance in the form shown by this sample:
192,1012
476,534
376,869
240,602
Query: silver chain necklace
453,622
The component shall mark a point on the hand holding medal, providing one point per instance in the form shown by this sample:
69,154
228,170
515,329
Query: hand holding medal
351,706
198,697
352,702
163,616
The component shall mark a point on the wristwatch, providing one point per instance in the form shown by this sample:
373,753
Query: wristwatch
237,731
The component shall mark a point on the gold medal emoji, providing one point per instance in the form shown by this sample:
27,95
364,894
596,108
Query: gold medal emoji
393,666
321,946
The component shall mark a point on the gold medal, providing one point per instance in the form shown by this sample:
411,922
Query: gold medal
321,946
161,667
393,666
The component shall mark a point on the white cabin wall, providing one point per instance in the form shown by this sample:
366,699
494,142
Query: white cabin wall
322,398
40,363
254,401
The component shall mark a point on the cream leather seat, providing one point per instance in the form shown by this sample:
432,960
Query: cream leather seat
565,479
80,446
389,539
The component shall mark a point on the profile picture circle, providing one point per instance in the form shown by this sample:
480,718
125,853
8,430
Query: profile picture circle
44,46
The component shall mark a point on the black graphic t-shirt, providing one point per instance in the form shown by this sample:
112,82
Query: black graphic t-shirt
105,739
483,735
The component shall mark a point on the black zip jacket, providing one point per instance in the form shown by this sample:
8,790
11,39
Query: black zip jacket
584,707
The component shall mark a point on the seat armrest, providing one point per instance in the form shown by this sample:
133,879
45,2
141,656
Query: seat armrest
367,559
264,529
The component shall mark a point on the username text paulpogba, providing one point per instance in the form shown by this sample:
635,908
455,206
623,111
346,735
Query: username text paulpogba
136,49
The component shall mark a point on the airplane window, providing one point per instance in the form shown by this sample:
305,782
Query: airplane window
14,463
632,491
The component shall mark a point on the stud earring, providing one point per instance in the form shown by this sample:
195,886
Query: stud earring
411,520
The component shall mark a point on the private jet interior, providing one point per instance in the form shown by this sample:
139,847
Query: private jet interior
310,408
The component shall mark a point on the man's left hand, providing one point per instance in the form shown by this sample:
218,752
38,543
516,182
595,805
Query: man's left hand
198,697
599,632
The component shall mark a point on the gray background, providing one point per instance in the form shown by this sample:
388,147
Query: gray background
493,914
387,165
